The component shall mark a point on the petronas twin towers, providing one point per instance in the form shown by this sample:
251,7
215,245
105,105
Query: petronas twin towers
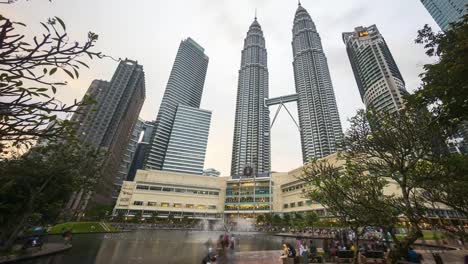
319,122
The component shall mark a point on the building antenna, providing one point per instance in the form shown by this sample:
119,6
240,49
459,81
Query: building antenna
255,13
298,2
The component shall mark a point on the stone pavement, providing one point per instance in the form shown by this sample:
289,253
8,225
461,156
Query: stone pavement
47,249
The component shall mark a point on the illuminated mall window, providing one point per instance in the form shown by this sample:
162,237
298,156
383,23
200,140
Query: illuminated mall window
152,203
200,206
189,206
164,204
211,206
138,203
178,205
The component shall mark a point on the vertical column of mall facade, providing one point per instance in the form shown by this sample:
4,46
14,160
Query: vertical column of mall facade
378,78
318,114
445,12
185,87
251,143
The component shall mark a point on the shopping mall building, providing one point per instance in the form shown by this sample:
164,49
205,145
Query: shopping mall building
202,197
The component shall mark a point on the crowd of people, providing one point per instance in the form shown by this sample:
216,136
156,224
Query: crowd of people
220,249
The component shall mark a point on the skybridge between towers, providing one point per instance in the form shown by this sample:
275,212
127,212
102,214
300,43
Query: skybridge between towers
281,101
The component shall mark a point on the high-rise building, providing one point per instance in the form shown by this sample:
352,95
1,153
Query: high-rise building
211,172
319,122
251,143
128,157
187,143
184,87
142,149
108,125
378,78
445,12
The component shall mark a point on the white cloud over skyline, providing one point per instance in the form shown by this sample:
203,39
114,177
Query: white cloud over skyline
150,31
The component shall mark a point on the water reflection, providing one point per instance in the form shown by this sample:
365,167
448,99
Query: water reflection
151,246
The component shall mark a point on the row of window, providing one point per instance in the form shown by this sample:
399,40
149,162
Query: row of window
175,205
299,204
177,190
293,188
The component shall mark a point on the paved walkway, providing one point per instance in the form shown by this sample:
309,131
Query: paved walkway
47,249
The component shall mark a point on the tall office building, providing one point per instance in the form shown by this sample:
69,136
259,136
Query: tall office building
319,122
379,81
108,125
184,87
187,143
251,143
445,12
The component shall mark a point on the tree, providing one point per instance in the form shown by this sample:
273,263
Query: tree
311,218
286,220
154,217
40,182
138,216
29,109
398,151
277,220
444,86
260,219
269,219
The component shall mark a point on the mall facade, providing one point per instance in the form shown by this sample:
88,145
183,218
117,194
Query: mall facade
224,198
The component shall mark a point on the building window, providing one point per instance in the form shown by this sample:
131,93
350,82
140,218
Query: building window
178,205
299,204
124,199
142,187
155,188
212,207
164,189
200,206
152,203
164,204
309,202
138,203
285,206
292,205
189,206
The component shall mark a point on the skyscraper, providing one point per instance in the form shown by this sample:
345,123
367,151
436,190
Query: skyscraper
319,122
141,150
108,125
251,143
184,87
379,81
445,12
187,144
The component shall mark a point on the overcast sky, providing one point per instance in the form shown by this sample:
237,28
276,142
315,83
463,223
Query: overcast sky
150,31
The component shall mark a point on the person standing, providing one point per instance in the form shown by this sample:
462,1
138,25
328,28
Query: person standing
304,252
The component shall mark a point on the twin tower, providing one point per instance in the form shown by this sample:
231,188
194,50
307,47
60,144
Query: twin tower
319,122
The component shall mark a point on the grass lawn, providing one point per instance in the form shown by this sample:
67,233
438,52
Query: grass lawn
428,235
82,227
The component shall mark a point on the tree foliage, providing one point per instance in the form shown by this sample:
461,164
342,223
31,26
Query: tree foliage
445,83
40,182
28,67
386,158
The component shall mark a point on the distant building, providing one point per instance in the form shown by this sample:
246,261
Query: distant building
142,149
251,141
319,120
445,12
377,75
128,157
184,87
108,125
211,172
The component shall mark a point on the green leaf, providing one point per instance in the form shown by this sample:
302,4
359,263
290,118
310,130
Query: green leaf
69,73
61,23
52,71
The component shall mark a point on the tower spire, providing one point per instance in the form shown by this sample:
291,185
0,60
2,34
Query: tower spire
255,13
299,2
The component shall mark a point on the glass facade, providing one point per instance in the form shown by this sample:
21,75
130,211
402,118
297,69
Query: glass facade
248,196
445,12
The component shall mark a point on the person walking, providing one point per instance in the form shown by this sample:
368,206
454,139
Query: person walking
304,252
